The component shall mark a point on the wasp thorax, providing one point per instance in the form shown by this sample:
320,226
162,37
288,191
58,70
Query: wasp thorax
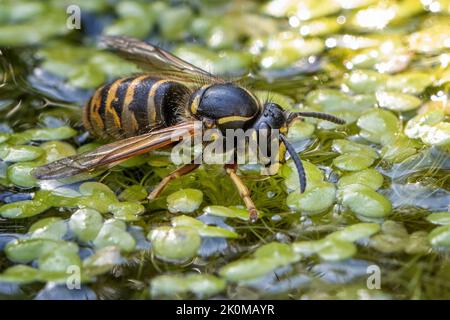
230,106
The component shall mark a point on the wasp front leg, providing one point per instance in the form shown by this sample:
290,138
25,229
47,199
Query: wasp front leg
243,191
181,171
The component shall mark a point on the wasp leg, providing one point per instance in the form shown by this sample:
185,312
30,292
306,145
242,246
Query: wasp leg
181,171
243,191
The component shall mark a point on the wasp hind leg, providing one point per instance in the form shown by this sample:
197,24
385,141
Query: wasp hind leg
181,171
243,191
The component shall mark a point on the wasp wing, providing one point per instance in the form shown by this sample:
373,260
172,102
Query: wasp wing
111,154
156,61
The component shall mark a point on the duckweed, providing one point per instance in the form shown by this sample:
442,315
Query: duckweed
337,250
59,260
202,285
430,128
186,200
47,134
266,259
133,193
355,232
86,224
364,201
23,209
20,174
113,233
353,162
399,149
379,126
365,81
232,212
442,218
410,82
27,250
315,200
127,211
381,66
313,174
345,146
338,245
440,236
20,274
19,153
177,244
203,229
368,177
286,48
48,228
397,101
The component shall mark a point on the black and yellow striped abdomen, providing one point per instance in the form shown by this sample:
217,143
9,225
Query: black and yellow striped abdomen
130,106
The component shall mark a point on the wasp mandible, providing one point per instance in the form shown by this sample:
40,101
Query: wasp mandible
172,93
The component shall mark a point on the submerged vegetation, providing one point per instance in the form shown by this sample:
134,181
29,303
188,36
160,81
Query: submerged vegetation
378,188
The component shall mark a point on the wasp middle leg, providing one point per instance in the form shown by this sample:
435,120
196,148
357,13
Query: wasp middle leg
244,192
181,171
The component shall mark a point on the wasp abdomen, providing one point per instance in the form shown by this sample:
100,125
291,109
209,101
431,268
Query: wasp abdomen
130,106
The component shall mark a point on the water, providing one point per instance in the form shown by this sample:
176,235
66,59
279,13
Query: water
46,77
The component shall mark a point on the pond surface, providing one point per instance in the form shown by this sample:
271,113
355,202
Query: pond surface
373,223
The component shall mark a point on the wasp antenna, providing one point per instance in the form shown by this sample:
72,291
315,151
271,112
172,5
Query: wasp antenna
297,162
318,115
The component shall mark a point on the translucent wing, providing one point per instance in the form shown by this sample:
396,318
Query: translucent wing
111,154
156,61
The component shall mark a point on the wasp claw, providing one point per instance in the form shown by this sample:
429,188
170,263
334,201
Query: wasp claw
253,214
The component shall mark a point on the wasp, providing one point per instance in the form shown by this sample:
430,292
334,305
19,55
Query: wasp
140,113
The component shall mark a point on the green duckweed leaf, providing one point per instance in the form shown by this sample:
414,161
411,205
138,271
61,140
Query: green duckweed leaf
229,212
86,224
102,261
127,211
175,244
49,228
203,229
379,126
440,236
315,200
364,201
202,285
442,218
345,146
133,193
365,81
337,250
20,174
113,233
355,232
277,251
19,153
368,177
47,134
23,209
20,274
59,260
353,161
397,101
27,250
185,200
248,269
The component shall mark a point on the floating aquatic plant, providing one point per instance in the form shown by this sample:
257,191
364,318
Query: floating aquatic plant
377,188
